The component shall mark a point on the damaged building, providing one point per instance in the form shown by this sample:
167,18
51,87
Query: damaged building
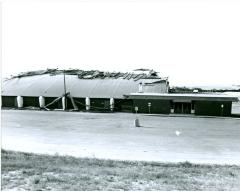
142,91
79,90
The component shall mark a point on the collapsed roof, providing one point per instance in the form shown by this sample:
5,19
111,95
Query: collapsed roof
92,74
80,83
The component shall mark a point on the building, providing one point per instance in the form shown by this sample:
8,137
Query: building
197,104
79,90
142,90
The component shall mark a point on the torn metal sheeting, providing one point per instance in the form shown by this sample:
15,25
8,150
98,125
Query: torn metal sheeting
92,74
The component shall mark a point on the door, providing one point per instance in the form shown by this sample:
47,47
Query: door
182,108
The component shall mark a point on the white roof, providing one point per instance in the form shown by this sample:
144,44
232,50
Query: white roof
52,86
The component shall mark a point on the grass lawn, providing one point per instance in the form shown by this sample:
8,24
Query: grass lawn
28,171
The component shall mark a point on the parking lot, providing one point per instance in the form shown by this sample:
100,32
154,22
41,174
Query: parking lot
113,136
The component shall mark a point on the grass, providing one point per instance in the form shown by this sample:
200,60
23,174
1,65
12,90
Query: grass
29,171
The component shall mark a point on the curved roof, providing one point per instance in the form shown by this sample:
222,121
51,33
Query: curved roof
52,86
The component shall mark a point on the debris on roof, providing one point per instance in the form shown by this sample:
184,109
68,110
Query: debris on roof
142,69
92,74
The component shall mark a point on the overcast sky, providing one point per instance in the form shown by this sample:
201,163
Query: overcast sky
192,42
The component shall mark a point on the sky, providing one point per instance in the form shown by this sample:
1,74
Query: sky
191,42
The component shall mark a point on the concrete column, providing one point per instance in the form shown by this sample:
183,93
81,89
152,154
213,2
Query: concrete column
19,101
64,103
41,101
111,104
87,103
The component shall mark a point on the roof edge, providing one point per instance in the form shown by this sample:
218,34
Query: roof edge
193,97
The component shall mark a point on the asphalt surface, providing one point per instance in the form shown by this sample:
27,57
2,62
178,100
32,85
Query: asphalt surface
113,136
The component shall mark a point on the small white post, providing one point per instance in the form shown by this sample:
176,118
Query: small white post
19,101
136,121
87,103
149,107
222,106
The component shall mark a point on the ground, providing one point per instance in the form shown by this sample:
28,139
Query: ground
26,171
113,136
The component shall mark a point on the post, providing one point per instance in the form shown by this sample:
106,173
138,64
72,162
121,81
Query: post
64,100
149,107
136,121
222,106
136,109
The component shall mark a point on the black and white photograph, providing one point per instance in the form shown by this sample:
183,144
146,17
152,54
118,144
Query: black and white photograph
121,95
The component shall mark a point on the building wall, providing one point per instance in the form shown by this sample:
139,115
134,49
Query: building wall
100,104
103,104
30,102
208,108
157,106
124,105
9,101
56,105
213,108
80,102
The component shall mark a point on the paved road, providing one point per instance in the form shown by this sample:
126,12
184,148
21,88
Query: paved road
113,136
